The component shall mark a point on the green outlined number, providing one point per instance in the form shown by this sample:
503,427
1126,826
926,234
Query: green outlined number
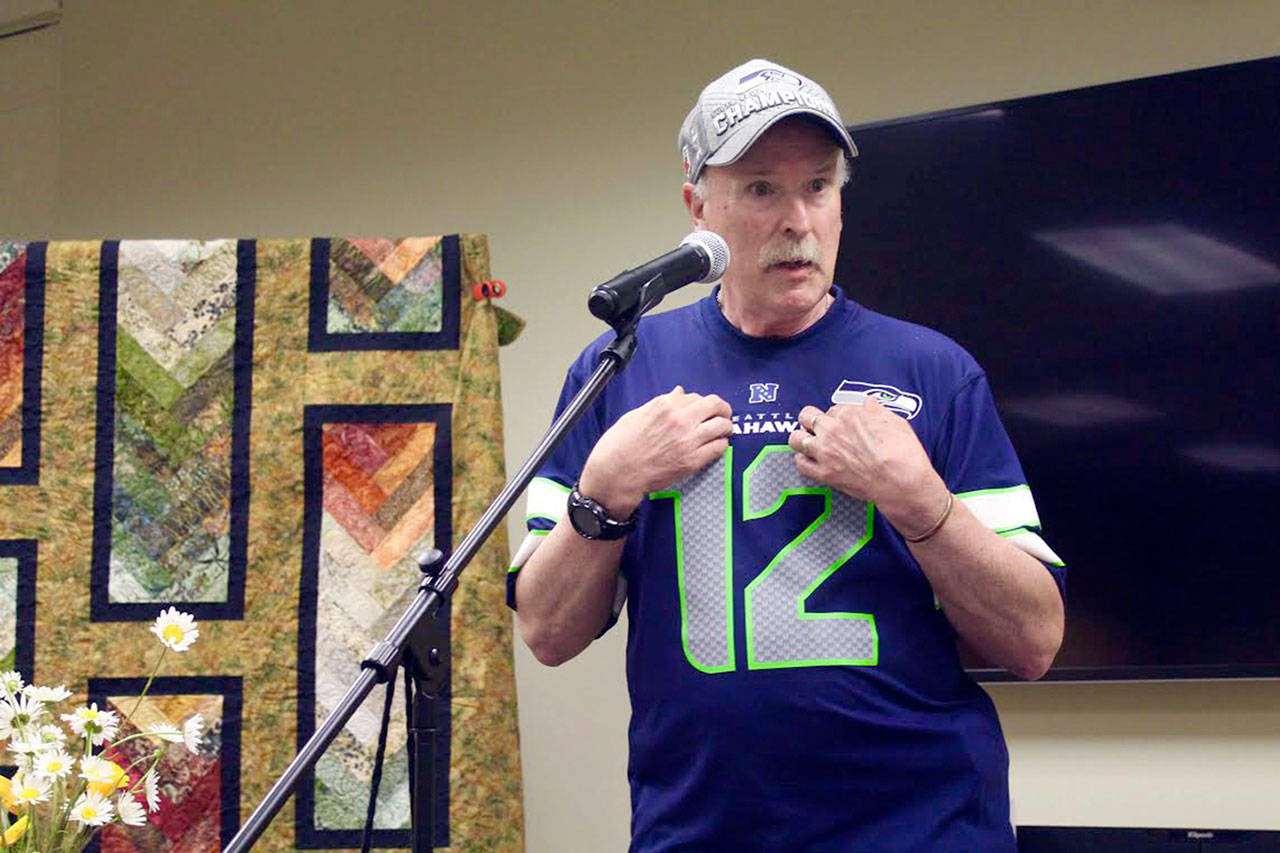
704,565
780,632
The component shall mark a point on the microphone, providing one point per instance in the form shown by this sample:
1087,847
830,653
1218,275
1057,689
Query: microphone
701,256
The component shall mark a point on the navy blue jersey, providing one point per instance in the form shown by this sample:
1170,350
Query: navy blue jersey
794,684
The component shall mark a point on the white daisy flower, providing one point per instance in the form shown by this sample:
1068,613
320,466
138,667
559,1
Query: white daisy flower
54,765
47,694
10,682
191,732
101,775
51,736
165,733
20,714
6,719
81,717
98,726
92,809
27,788
28,744
151,788
97,770
110,727
131,811
176,629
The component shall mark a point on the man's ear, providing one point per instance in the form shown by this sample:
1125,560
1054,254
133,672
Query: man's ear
694,204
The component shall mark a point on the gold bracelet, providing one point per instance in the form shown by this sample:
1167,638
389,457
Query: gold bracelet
937,525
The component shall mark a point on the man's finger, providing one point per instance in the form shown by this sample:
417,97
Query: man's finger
711,406
712,429
796,441
807,467
809,416
876,408
862,404
709,452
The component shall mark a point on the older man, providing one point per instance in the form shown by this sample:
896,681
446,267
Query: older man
804,504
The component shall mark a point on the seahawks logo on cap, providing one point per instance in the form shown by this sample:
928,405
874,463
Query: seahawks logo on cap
776,75
894,399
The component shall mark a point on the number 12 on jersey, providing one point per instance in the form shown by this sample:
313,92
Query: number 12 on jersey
780,631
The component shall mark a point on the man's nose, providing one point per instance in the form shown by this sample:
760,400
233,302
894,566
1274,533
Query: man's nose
796,218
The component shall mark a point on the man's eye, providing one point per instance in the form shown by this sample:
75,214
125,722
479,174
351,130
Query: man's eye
759,188
817,185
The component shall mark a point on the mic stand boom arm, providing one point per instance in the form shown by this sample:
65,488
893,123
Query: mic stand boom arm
408,633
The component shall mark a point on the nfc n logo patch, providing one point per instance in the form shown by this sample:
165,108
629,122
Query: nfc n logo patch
763,392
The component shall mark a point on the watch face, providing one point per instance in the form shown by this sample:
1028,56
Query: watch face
585,521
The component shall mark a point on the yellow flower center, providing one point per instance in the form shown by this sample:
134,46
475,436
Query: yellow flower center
89,812
173,633
29,793
89,714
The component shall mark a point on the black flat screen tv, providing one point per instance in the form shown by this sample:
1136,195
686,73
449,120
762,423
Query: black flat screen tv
1111,256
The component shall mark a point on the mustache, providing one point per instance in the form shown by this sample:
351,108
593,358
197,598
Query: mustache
789,249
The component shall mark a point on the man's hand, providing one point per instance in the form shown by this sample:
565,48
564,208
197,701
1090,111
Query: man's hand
873,455
997,597
655,446
566,588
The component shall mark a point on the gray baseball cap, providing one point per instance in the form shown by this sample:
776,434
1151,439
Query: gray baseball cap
734,110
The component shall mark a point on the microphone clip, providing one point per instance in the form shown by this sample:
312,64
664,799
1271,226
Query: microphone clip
651,294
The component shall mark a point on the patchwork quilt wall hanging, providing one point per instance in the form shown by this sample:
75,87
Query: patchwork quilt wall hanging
264,434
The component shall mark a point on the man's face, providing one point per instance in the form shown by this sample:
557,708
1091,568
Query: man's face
778,207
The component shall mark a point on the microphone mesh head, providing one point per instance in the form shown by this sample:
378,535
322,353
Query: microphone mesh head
717,251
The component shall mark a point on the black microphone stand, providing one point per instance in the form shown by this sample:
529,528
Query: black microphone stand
415,640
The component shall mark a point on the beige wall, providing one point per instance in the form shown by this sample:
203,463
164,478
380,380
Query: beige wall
551,127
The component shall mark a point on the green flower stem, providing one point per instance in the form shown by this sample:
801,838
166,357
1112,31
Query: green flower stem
73,842
65,817
57,807
116,743
32,823
154,758
155,765
163,651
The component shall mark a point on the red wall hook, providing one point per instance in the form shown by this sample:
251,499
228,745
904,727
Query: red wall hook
489,290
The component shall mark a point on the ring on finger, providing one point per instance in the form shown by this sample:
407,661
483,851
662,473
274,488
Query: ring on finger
804,444
813,424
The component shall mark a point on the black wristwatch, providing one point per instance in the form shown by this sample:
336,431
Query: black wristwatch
592,520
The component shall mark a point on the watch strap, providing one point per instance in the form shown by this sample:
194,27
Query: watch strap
592,521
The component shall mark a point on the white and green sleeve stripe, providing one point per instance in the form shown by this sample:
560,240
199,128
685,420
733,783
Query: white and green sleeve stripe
546,500
1011,512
